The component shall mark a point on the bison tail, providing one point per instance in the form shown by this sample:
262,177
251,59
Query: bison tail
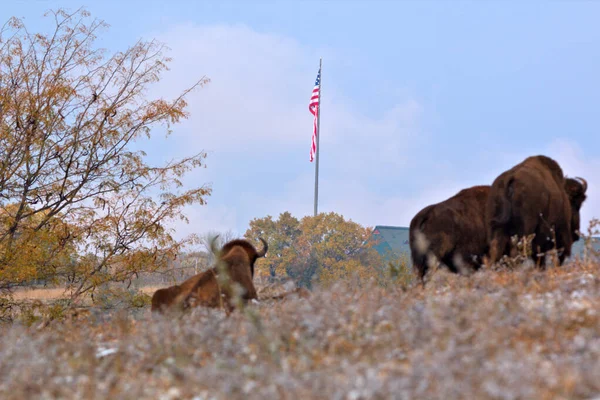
419,252
503,205
419,245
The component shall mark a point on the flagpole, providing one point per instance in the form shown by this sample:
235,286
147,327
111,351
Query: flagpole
318,136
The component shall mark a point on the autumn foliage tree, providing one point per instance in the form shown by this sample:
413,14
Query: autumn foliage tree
42,254
281,235
325,248
70,178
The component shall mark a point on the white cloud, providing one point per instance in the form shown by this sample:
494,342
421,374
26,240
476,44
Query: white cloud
259,90
206,218
352,198
253,119
569,155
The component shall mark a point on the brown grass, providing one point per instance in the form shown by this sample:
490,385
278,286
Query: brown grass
39,294
47,294
521,334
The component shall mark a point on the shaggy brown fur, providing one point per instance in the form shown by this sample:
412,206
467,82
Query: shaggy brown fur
248,248
208,293
238,258
576,189
534,197
453,231
164,297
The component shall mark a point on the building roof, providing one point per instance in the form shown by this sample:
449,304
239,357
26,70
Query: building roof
391,239
577,249
394,239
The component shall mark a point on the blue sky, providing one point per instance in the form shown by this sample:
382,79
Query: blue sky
420,99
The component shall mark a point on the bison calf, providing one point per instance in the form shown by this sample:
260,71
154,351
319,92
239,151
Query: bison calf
451,232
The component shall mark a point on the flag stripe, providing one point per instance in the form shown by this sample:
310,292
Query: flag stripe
313,107
313,146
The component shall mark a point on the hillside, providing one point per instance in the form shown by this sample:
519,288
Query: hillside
497,334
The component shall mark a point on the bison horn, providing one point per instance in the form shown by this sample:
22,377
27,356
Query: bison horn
583,183
213,245
263,252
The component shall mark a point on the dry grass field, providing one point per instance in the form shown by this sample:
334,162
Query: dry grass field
39,294
521,334
57,293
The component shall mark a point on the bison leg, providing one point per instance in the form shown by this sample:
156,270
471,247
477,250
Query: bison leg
421,272
546,244
466,263
498,246
420,266
561,258
566,245
538,255
564,241
430,263
249,289
421,269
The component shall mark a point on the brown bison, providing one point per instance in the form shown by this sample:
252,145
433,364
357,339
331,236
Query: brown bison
165,297
534,197
451,232
237,258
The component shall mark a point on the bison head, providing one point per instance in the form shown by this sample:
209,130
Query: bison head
253,254
576,188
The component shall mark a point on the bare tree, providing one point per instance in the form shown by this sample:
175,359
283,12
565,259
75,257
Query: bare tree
69,114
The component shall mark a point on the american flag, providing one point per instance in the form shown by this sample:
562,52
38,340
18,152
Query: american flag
313,107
